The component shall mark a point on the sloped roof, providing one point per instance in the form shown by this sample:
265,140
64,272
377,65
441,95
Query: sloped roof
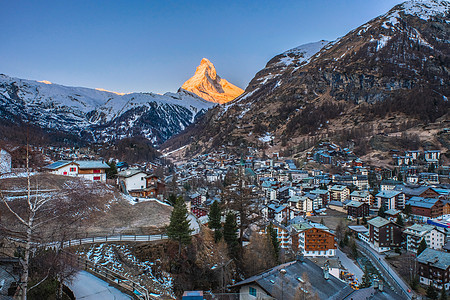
92,164
421,202
319,192
392,212
388,194
378,222
130,173
435,258
360,193
355,204
412,191
59,164
276,284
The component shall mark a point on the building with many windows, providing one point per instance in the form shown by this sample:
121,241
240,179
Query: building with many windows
434,268
433,236
384,234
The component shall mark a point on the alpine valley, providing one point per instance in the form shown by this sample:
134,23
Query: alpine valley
98,115
388,76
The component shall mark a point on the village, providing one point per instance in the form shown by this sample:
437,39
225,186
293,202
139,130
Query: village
331,219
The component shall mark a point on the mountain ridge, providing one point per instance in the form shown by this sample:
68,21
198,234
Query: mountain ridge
95,114
395,65
208,85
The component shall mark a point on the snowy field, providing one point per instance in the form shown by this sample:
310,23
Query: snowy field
88,287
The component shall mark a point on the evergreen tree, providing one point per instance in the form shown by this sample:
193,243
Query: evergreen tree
443,293
422,246
381,212
273,237
407,209
322,221
215,216
172,199
366,279
431,292
399,177
399,220
111,173
230,234
179,228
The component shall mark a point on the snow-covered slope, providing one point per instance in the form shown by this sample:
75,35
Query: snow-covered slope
102,115
396,63
208,85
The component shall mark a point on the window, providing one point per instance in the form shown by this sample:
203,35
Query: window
96,178
252,291
73,169
96,171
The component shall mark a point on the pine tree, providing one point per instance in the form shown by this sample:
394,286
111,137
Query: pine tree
112,171
407,209
366,279
399,221
215,216
230,234
381,212
273,237
172,199
422,246
179,228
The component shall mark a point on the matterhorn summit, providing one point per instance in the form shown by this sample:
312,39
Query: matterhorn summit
209,86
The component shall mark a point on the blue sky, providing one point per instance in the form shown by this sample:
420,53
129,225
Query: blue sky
154,46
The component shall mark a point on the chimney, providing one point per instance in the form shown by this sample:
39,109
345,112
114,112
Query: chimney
326,271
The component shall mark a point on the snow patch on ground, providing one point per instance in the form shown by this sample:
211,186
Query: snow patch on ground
426,9
382,42
17,175
267,137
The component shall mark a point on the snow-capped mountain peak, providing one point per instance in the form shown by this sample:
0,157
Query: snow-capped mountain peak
208,85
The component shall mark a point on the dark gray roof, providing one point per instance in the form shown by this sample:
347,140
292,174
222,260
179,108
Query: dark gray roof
379,222
92,164
59,164
435,258
373,294
388,194
421,202
412,191
355,204
273,282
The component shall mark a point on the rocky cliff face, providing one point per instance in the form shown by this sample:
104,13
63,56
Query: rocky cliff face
395,65
208,85
97,115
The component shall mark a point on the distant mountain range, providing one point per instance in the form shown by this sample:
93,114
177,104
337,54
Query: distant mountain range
97,115
390,73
